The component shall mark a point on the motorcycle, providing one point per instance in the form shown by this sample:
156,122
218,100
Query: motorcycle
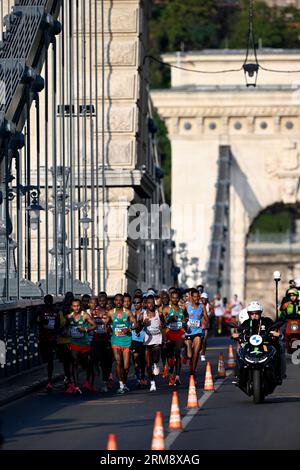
257,373
292,334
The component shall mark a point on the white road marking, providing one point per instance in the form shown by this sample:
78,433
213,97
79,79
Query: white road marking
173,435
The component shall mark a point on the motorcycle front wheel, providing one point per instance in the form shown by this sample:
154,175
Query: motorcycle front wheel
258,396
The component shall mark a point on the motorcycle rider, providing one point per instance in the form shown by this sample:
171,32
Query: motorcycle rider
291,309
256,324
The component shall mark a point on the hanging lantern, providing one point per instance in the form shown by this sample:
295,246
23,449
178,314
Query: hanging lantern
251,73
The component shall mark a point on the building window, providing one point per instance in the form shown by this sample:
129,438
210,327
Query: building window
187,126
64,109
237,125
289,125
86,110
212,126
263,125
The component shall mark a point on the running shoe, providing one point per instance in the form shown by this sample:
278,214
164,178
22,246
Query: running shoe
66,383
120,391
109,384
126,389
153,386
155,369
88,386
71,388
171,381
177,380
143,382
203,358
77,391
49,387
164,372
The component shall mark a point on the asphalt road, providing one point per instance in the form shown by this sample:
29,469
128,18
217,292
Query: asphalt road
227,419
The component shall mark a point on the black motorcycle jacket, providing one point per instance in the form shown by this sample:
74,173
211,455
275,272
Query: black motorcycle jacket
254,327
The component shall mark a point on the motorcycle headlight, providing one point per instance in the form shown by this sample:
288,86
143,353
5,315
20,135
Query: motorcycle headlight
294,327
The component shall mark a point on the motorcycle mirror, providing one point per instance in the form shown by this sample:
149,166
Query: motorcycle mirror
274,326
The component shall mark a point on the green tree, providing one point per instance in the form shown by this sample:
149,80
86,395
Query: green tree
177,25
271,26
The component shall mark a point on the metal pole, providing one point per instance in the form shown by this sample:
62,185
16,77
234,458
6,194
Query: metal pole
28,183
97,148
78,141
54,158
84,127
71,100
19,221
92,161
62,149
103,146
276,299
7,220
38,154
46,164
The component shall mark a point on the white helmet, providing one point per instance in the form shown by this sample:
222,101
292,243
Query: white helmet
204,295
243,315
255,306
297,282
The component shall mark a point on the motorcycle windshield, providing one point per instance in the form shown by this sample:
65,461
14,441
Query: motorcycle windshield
258,354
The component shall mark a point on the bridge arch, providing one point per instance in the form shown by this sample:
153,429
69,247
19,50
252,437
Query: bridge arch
272,243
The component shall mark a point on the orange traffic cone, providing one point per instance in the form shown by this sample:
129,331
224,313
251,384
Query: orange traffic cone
112,442
192,397
158,439
221,366
231,361
208,384
175,420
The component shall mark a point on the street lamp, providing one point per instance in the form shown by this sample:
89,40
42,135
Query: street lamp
34,210
251,72
85,222
277,278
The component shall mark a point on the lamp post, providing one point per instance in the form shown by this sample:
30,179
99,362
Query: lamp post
85,222
34,210
277,278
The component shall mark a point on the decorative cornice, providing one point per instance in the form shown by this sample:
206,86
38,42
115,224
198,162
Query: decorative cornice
236,111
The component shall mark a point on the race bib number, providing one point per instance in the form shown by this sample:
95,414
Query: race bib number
195,323
121,331
75,333
100,329
154,330
50,325
175,325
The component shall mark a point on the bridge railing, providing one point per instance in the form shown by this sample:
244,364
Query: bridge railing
19,336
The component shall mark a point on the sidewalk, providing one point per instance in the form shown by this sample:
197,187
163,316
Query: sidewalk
20,385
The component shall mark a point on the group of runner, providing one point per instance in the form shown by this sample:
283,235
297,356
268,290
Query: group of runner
157,332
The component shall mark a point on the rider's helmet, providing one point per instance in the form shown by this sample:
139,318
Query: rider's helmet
292,292
204,295
297,282
254,306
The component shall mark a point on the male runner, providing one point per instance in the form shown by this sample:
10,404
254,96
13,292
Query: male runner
80,324
152,323
175,319
193,338
121,321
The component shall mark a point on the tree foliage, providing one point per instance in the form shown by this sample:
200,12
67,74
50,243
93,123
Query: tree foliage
198,24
